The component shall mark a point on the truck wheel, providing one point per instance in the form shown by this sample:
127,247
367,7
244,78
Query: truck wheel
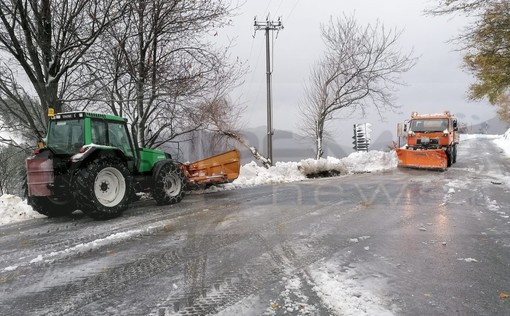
169,182
454,155
102,188
449,158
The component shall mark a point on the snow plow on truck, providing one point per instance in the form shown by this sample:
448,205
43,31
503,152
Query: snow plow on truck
431,141
90,162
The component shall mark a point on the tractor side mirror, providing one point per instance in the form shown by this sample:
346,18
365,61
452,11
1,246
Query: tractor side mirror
455,127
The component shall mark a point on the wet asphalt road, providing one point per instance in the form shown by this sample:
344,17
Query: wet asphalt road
423,242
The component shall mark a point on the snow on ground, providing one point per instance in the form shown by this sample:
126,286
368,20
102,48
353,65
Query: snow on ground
285,172
13,209
504,142
83,247
325,285
341,290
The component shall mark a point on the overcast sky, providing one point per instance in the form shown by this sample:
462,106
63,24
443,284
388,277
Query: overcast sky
435,84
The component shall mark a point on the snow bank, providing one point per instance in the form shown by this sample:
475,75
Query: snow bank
504,142
13,209
357,162
371,161
283,172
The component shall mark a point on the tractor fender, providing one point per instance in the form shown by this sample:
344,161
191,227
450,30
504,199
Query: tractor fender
92,151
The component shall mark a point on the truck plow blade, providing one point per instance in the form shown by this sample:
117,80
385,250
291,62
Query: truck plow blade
217,169
424,159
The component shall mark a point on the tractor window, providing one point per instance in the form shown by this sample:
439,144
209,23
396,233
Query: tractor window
65,137
98,132
119,138
429,125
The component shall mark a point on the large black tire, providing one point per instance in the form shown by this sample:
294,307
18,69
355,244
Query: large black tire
168,183
102,188
51,207
454,155
449,158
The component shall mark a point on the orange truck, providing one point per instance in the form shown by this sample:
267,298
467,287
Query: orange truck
431,141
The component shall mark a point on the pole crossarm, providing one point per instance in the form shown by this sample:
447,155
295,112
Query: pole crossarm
268,25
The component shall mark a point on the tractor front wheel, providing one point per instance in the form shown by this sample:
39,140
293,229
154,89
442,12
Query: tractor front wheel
168,183
102,188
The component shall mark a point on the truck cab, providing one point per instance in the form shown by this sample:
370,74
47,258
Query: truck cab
431,141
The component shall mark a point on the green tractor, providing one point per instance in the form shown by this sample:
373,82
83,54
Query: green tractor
89,162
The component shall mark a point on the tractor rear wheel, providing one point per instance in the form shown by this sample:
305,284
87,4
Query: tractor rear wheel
168,183
52,207
102,188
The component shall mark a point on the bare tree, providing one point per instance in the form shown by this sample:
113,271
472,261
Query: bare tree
360,68
42,41
11,171
223,118
459,6
20,113
157,63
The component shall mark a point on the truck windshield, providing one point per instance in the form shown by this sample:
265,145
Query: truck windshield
429,125
66,136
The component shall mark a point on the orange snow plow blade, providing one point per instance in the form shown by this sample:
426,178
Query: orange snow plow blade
217,169
425,159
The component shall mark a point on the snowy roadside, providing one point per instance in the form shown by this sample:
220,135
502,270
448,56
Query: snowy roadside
13,209
503,142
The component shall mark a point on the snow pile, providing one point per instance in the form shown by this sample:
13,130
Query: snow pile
13,209
284,172
371,161
356,162
281,172
322,167
504,142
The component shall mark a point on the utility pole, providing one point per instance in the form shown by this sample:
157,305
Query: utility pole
269,26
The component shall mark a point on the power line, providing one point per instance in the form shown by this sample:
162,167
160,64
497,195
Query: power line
269,26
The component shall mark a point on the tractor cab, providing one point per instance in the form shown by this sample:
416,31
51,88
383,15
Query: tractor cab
73,133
